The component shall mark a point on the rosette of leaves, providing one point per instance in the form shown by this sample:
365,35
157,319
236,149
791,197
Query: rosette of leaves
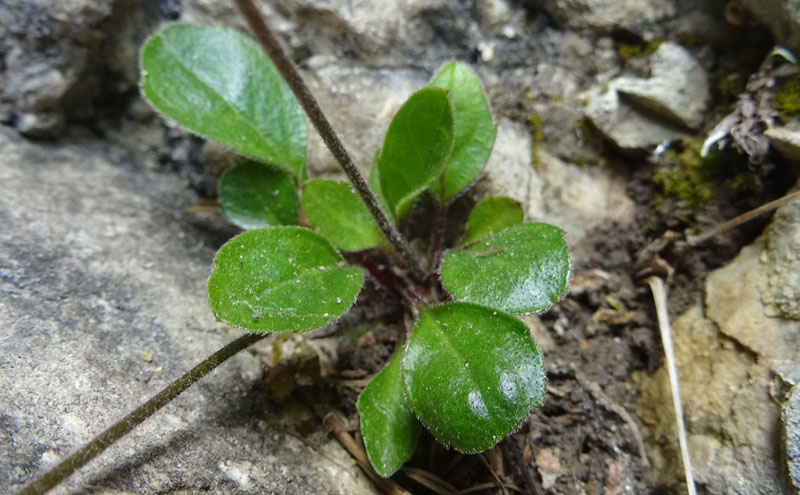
468,371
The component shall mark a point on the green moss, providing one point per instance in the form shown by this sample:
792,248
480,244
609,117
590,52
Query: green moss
650,228
728,79
787,100
537,128
588,132
688,39
628,51
693,178
537,134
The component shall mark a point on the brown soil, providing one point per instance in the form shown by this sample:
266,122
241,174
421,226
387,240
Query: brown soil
585,438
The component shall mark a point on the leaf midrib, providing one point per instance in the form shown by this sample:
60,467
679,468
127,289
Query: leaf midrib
348,221
283,283
449,342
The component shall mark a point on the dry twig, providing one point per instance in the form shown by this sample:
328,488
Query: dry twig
436,484
494,474
660,298
744,217
355,449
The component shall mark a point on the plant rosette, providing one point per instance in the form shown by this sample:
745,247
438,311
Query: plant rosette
469,370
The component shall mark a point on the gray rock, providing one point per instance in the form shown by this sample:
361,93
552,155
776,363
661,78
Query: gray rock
785,140
40,124
729,355
677,89
381,33
64,59
226,14
781,17
368,27
576,199
731,419
361,103
791,434
100,264
780,282
628,128
566,133
605,16
734,303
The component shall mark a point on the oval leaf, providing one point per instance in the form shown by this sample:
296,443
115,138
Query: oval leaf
389,428
491,215
281,279
472,375
220,84
335,211
521,270
375,185
475,129
416,147
253,196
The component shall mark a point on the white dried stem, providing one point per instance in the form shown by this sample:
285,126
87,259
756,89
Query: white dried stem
660,298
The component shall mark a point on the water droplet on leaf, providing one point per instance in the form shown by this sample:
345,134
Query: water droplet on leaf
476,404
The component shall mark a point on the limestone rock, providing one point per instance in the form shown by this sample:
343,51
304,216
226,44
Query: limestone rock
370,26
382,32
728,361
608,15
361,104
791,435
510,171
576,199
734,303
626,127
677,89
782,17
63,59
786,140
566,133
731,419
102,304
780,283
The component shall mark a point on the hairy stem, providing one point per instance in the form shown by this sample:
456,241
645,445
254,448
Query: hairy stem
287,69
437,235
129,422
386,280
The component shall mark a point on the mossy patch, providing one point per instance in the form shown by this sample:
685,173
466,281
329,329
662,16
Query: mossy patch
628,51
693,179
728,80
537,134
787,99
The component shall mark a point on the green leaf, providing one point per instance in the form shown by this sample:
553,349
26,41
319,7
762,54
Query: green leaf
281,279
336,211
253,196
220,84
475,129
375,185
472,375
491,215
389,428
416,147
523,269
